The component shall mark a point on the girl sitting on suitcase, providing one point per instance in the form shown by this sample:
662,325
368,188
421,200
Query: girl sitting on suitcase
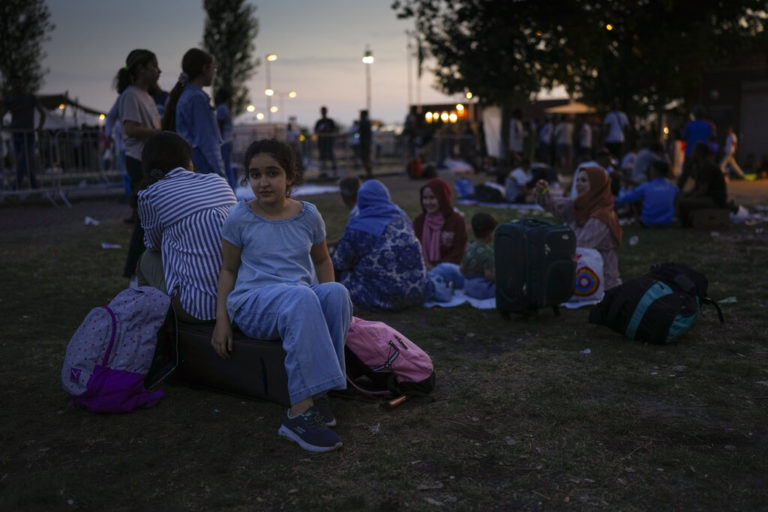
591,216
269,248
440,228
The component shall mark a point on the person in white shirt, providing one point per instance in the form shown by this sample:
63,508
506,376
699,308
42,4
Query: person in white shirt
564,144
585,141
729,156
615,124
516,133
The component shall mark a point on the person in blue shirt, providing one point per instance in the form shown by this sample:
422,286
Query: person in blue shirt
224,118
698,130
658,196
189,112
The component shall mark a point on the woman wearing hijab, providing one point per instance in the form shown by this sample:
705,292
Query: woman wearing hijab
440,229
591,216
378,257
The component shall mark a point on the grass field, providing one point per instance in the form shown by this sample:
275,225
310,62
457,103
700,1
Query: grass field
521,419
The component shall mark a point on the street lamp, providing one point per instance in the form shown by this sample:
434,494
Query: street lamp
368,60
269,92
282,95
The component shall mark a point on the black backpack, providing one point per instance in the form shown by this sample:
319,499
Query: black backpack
486,194
658,307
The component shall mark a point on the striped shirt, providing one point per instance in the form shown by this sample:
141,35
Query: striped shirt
182,215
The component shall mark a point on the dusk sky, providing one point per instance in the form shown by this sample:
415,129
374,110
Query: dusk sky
319,45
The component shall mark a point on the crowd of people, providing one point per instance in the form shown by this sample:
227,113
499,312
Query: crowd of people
264,266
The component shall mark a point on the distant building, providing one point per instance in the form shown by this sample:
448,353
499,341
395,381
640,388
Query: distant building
739,97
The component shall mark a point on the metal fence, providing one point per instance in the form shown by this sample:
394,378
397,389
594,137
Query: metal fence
54,163
50,163
389,149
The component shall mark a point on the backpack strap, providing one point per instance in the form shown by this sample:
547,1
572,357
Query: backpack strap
707,300
112,336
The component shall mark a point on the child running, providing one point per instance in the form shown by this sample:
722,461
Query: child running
265,288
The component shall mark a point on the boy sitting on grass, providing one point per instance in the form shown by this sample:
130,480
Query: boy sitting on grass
658,196
478,265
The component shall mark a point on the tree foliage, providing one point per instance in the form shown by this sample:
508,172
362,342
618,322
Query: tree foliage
645,52
230,31
24,27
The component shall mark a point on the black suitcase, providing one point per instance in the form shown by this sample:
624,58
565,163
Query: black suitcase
256,368
535,266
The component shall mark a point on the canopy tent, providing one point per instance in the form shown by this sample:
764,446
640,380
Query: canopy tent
572,107
54,101
72,114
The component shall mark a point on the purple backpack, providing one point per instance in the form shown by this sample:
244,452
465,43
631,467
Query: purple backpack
381,362
111,352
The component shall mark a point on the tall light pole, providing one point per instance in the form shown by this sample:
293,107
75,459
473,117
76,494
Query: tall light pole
368,60
291,94
269,92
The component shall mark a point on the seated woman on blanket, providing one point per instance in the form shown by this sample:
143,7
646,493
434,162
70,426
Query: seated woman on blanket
181,213
591,216
270,246
709,191
440,228
379,258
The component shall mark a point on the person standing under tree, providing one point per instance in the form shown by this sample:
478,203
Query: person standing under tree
22,106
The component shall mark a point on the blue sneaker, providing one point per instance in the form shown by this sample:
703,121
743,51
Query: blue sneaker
323,408
309,432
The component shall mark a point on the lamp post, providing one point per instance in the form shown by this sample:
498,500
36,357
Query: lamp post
282,95
269,92
368,60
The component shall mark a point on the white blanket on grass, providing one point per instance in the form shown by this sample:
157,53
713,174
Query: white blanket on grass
516,206
459,298
246,193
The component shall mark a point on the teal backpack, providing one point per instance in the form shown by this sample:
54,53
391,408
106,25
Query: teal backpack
658,307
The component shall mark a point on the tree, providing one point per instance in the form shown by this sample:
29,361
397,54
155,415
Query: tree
647,53
24,26
653,52
230,30
486,47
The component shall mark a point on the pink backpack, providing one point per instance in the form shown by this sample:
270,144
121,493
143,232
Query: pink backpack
381,362
110,354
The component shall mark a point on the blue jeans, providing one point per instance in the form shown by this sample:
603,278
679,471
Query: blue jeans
445,278
230,173
24,152
479,288
312,322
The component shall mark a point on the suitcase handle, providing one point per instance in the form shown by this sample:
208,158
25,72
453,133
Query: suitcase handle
529,221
